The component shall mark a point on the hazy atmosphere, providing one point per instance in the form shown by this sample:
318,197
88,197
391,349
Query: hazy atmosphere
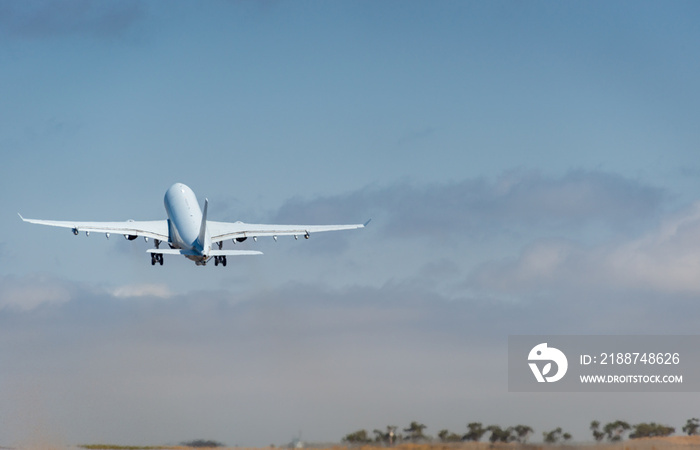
529,168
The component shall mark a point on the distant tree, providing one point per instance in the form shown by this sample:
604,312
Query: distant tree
597,434
476,431
201,443
652,429
379,436
555,436
498,434
521,433
416,430
358,437
446,436
691,426
387,437
615,430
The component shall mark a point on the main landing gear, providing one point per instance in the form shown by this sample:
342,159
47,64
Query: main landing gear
156,258
219,260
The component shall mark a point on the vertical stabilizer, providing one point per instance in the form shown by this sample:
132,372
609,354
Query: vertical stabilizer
203,227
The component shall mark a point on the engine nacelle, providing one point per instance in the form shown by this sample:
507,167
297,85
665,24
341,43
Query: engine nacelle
241,239
130,237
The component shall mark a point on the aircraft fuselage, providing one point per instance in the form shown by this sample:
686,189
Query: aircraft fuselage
185,222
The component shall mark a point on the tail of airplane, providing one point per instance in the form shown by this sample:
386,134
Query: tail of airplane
202,239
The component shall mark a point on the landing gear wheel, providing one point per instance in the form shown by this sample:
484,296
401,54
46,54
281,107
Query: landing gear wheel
220,260
160,259
153,259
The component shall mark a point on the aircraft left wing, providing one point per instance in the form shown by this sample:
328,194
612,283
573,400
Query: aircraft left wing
155,229
220,231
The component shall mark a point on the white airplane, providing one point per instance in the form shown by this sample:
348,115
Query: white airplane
188,232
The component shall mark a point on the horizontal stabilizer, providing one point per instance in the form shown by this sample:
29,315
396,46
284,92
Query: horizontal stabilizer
176,251
172,251
234,252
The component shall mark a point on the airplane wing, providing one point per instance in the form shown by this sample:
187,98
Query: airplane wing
156,229
220,231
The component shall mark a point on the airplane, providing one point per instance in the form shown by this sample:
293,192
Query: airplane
188,232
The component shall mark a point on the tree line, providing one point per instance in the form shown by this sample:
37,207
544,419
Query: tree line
612,432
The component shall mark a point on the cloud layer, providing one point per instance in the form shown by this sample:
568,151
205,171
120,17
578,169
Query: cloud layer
663,260
398,326
514,200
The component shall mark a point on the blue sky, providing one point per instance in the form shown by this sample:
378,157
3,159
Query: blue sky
530,168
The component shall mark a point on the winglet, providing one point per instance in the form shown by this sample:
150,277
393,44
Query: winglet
20,216
366,223
203,227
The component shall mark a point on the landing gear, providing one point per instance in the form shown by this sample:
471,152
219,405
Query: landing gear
220,260
156,258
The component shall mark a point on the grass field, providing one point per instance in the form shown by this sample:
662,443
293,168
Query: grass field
672,443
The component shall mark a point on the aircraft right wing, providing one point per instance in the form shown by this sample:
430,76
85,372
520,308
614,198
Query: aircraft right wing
156,229
220,231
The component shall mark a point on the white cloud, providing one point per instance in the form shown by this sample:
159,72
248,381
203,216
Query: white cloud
665,259
32,291
35,290
516,200
142,290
